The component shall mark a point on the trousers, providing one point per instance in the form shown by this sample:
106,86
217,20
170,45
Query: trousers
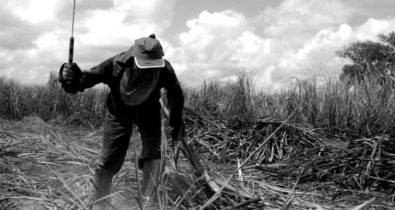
116,138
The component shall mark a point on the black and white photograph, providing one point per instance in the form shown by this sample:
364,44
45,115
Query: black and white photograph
197,105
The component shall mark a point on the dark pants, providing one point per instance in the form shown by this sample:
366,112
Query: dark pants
117,133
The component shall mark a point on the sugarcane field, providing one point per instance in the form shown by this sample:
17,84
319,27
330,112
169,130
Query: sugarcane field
197,105
308,155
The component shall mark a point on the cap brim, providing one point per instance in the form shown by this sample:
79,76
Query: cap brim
146,64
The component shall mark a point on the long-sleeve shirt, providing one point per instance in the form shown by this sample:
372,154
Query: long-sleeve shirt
116,73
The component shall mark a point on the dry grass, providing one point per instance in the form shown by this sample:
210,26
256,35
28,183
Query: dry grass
51,166
264,163
286,165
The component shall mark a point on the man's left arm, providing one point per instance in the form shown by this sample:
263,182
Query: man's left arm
175,99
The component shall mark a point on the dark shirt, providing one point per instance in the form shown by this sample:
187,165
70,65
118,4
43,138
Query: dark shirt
113,70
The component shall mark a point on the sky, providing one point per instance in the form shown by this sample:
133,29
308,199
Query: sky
205,40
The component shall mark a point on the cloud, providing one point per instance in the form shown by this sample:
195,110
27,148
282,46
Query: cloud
160,12
93,4
34,64
13,32
35,33
372,27
364,9
219,44
317,55
33,11
296,39
113,30
216,46
301,17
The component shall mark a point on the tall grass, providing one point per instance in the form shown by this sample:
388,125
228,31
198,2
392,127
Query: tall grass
367,109
224,99
50,102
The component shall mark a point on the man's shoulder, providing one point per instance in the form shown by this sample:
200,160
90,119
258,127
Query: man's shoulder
123,57
168,65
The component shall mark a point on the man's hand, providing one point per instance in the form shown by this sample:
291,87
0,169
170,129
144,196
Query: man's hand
70,76
70,72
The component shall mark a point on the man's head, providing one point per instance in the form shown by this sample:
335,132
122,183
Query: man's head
148,52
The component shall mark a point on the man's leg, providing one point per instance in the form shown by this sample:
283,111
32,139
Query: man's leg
149,161
116,139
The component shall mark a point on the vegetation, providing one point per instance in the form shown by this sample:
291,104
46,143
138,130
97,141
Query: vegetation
370,58
50,102
367,109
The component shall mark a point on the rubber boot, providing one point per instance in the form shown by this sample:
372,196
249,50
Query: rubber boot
103,181
151,175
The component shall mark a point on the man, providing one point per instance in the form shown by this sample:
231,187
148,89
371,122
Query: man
135,78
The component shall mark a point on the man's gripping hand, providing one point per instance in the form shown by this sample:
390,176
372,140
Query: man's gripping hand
70,77
70,72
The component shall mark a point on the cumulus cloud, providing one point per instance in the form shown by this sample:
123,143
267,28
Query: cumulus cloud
28,40
316,31
293,17
295,39
219,44
14,33
33,11
216,46
372,27
35,33
101,33
159,12
34,64
316,56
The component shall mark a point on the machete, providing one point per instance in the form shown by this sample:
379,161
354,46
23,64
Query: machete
71,49
71,44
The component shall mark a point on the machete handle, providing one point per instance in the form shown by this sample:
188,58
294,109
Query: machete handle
71,54
71,50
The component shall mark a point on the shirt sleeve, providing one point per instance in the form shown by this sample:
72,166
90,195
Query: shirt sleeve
102,73
175,96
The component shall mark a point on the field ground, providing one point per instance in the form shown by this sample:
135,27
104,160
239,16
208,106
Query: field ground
47,164
50,165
